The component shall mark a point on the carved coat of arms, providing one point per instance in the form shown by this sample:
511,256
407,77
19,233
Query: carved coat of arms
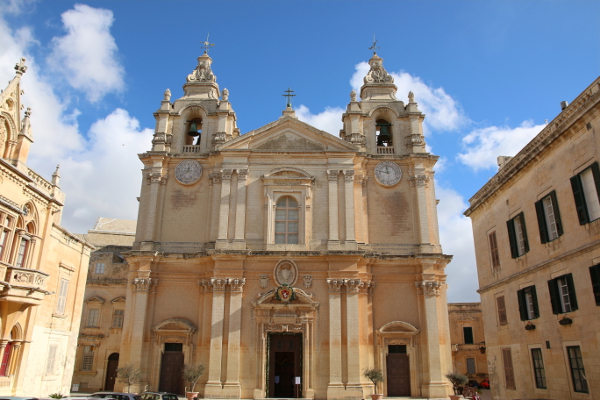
285,293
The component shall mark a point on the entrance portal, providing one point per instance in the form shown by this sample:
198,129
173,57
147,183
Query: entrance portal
111,371
398,371
171,366
285,365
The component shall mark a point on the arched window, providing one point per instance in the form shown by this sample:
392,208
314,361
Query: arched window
384,133
25,242
6,228
286,221
194,130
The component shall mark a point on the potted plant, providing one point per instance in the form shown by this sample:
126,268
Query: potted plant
129,374
374,375
191,373
458,380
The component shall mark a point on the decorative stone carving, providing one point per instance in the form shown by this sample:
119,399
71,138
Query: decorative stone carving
215,178
307,281
226,173
353,285
357,138
225,94
416,139
285,273
362,178
242,174
221,137
167,95
20,67
366,288
419,180
332,174
203,72
236,284
156,177
159,138
428,288
377,74
411,97
335,285
144,284
264,281
349,174
218,284
353,95
284,328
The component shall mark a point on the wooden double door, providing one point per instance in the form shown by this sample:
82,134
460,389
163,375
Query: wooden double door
285,365
171,367
398,372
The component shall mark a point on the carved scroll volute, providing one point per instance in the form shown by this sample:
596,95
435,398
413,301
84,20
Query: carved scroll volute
218,284
144,284
335,285
236,284
428,288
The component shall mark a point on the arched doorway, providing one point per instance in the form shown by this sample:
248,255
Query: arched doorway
111,371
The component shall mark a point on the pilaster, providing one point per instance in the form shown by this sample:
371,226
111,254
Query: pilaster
335,389
232,386
349,189
353,287
224,208
213,386
332,177
240,209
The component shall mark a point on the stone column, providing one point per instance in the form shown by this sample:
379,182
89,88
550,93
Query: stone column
224,206
232,385
155,179
349,188
215,204
240,207
434,384
353,338
332,177
335,389
419,180
213,386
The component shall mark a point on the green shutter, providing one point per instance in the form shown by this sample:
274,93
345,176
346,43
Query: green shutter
572,296
595,275
522,304
554,296
510,225
596,173
541,217
525,241
536,310
559,228
580,206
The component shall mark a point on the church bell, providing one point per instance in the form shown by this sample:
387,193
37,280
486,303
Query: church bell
193,129
384,134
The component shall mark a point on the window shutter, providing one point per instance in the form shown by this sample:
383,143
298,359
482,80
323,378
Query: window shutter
596,173
536,310
572,296
541,217
510,225
595,275
525,241
522,304
557,219
502,318
508,369
554,296
582,213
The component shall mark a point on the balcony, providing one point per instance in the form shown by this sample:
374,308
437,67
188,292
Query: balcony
24,285
191,149
385,150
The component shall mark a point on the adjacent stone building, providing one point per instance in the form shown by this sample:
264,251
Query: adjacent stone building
536,225
288,260
42,266
468,342
103,313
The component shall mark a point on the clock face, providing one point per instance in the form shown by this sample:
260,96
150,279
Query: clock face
188,171
388,173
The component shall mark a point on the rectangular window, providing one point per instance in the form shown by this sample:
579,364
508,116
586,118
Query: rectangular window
87,361
538,368
471,366
22,252
50,363
577,370
468,334
62,297
517,235
118,318
528,305
3,242
93,317
548,216
509,373
99,268
585,187
595,275
286,221
494,250
502,318
562,294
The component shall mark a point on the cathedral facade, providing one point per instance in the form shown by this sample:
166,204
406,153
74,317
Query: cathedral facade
288,260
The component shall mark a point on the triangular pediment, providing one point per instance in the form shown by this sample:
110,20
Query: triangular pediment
288,134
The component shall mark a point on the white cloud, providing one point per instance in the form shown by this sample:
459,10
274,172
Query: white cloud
329,120
483,146
443,113
87,55
456,236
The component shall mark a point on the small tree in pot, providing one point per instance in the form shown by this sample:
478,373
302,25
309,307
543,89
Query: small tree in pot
191,373
457,380
129,374
375,375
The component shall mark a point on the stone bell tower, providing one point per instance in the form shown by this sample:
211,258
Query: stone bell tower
380,123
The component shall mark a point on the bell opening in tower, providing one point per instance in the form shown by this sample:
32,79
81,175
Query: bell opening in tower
194,130
383,131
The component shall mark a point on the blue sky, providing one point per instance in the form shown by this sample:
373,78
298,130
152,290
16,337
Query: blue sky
487,74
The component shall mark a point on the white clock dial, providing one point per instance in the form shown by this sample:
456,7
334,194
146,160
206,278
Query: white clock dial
388,173
188,171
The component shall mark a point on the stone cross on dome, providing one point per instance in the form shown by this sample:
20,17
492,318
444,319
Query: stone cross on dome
289,95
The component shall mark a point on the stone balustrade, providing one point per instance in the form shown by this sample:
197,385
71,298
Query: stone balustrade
191,149
28,278
385,150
